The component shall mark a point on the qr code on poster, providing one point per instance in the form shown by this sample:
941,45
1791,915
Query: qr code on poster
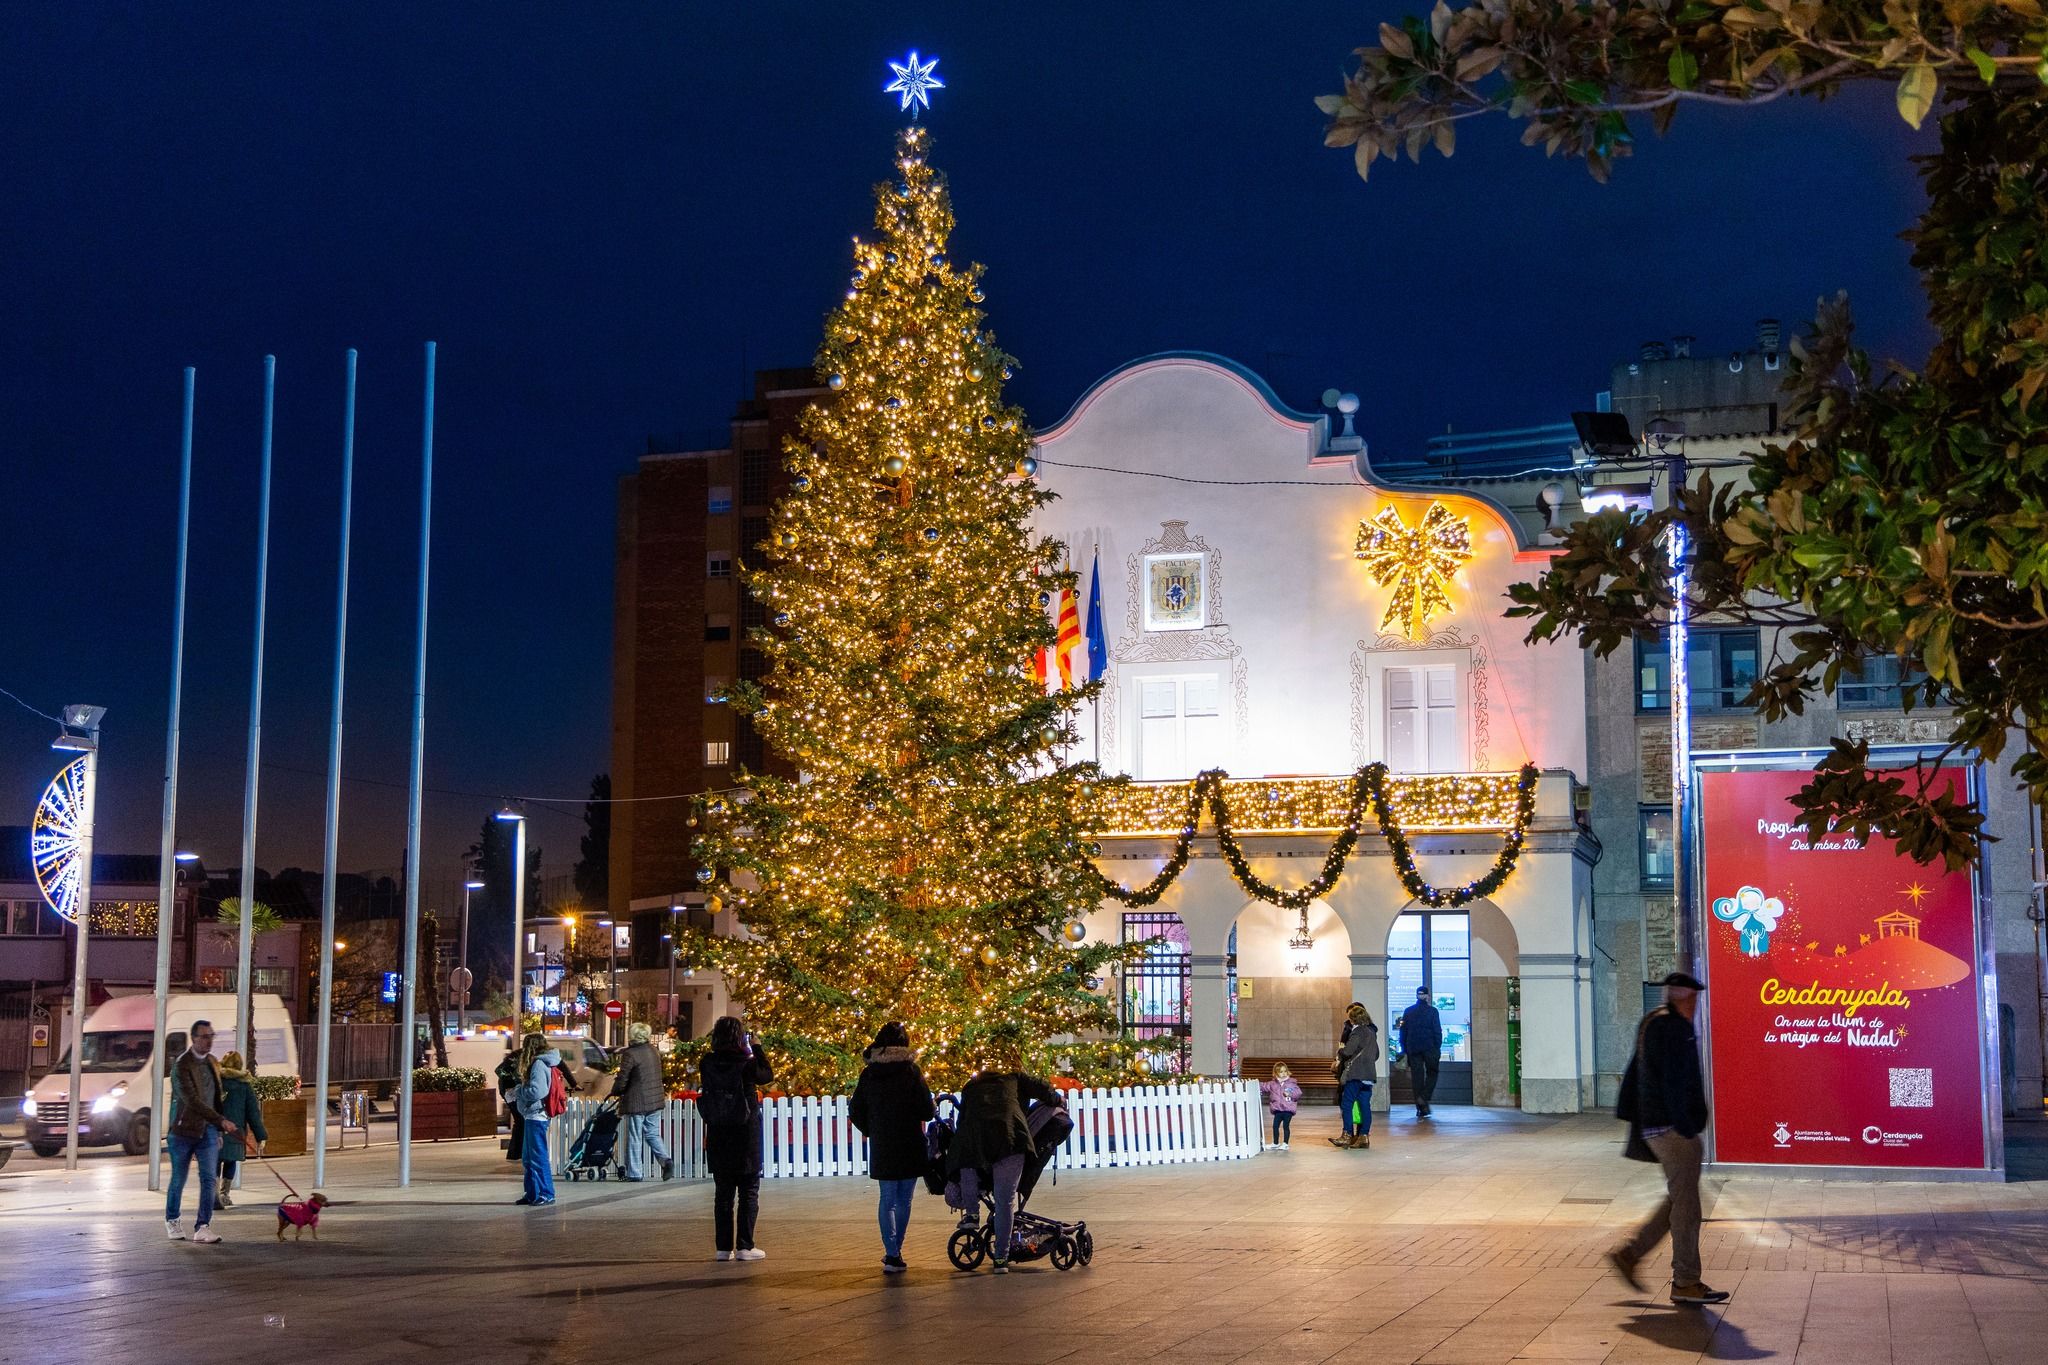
1912,1087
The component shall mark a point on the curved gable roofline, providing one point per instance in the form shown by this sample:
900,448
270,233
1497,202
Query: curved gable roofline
1362,471
1242,374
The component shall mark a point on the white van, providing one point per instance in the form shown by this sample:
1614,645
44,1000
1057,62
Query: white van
114,1072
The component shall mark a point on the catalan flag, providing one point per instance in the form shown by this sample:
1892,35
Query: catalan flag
1070,649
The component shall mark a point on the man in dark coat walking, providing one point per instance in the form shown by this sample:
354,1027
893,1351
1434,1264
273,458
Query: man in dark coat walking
641,1099
891,1104
1664,1097
1422,1048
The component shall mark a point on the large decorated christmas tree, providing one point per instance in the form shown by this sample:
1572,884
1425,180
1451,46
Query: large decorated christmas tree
928,863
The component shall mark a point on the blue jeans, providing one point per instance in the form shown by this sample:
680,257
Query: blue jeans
1005,1175
1356,1101
642,1128
540,1178
894,1213
206,1150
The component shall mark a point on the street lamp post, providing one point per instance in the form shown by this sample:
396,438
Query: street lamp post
611,1035
81,734
469,884
675,1006
1667,438
517,819
167,857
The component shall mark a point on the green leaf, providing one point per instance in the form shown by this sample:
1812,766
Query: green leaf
1684,68
1584,92
1916,93
1987,70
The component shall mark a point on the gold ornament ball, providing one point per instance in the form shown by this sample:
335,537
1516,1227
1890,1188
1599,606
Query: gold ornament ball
787,540
989,955
1075,931
894,465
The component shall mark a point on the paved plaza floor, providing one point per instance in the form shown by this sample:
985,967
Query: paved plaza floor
1476,1238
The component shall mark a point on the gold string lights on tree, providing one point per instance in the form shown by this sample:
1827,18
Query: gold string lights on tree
926,863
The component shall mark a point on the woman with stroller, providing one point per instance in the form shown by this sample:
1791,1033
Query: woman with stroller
994,1135
731,1073
891,1104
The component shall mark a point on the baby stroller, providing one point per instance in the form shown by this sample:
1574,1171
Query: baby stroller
592,1153
1031,1236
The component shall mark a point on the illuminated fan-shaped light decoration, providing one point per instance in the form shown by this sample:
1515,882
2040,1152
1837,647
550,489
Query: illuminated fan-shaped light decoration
54,839
1418,561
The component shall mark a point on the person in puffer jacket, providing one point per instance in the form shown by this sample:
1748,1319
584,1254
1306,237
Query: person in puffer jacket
1283,1097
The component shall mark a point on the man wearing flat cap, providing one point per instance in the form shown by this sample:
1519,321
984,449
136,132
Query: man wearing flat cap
1664,1099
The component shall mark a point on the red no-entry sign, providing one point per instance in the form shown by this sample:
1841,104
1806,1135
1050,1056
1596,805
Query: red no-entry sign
614,1009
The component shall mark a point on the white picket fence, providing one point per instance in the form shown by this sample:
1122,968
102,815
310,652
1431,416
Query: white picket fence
811,1135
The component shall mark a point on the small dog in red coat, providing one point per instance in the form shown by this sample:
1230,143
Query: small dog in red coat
292,1213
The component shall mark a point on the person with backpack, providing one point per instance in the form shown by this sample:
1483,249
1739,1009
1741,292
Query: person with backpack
891,1104
729,1102
1664,1100
539,1097
995,1135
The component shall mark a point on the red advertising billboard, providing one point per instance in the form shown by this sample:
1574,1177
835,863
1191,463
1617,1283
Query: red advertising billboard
1844,1007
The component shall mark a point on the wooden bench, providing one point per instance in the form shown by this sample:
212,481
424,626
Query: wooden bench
1317,1076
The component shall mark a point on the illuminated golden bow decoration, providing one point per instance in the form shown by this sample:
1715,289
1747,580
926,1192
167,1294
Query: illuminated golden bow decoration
1419,562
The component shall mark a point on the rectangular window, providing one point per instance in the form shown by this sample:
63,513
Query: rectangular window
1658,851
714,690
753,664
753,531
718,564
756,468
717,753
1180,726
1158,988
263,981
1423,730
1881,686
1720,666
717,626
752,612
721,499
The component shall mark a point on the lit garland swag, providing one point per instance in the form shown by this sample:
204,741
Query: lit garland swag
1368,787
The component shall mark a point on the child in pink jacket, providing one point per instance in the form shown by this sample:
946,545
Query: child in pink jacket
1283,1097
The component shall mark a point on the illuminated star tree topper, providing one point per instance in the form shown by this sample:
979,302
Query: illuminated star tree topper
914,82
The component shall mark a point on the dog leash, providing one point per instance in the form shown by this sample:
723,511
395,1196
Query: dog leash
280,1177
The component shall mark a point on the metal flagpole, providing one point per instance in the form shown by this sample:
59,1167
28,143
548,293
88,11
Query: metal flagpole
167,868
414,792
328,857
245,1038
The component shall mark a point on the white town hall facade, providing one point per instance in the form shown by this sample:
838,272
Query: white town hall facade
1247,632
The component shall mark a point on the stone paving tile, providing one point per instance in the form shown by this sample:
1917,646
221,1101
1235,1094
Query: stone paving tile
1470,1241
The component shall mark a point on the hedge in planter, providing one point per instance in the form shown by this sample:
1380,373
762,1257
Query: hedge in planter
451,1102
284,1114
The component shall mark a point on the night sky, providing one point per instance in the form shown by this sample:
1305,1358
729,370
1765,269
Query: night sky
605,213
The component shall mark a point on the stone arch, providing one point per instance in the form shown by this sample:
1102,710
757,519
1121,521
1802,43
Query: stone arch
1282,1013
1495,960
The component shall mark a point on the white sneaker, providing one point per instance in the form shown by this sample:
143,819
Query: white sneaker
725,1256
750,1254
204,1234
1284,1147
175,1228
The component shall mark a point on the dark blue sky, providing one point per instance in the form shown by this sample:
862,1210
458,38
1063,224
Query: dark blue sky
603,212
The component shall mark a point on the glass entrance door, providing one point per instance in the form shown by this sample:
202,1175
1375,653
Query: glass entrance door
1433,948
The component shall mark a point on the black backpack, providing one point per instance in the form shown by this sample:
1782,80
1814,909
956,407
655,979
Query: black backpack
938,1139
723,1102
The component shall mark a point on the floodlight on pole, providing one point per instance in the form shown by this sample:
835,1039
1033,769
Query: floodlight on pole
185,857
1665,437
61,846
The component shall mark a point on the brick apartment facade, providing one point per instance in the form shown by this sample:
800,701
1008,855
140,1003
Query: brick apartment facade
687,521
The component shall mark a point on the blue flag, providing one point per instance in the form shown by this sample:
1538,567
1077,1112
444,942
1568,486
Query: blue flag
1098,642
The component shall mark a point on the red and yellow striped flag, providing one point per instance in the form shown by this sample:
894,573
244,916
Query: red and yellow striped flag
1069,648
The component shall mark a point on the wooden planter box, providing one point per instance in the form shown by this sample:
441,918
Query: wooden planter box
438,1114
285,1121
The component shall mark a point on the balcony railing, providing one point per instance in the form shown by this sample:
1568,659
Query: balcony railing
1276,805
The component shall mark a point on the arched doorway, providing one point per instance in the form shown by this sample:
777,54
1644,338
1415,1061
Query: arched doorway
1467,959
1292,981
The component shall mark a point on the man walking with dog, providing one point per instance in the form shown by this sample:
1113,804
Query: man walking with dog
195,1133
1664,1099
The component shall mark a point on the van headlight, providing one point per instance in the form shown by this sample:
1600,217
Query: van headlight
105,1104
28,1106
